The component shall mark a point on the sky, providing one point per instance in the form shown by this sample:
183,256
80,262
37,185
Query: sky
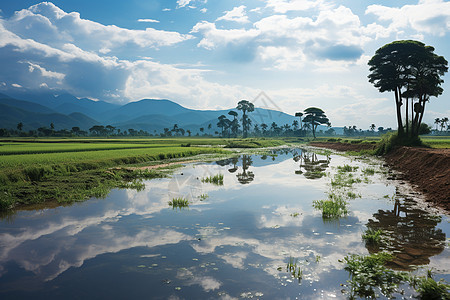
286,55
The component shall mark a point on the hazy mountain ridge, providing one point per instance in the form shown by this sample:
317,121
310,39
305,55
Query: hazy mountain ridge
66,111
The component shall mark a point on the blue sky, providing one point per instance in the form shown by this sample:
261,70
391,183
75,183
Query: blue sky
207,54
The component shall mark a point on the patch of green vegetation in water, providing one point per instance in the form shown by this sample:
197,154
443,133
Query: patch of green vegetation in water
334,207
179,202
373,237
216,179
369,276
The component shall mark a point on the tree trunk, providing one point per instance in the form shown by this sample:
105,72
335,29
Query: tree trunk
406,115
398,104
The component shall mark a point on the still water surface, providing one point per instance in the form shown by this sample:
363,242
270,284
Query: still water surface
233,243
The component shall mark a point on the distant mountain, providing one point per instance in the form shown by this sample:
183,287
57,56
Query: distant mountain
68,111
24,105
33,116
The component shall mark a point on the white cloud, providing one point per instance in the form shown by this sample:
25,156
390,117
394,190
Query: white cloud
48,24
237,14
284,6
183,3
334,34
204,10
148,21
16,85
428,16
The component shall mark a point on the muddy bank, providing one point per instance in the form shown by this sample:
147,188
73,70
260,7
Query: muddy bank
428,169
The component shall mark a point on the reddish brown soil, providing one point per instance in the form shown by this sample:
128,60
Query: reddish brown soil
428,169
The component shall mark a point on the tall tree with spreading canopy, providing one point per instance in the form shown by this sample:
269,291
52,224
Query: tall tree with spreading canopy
413,72
315,117
246,107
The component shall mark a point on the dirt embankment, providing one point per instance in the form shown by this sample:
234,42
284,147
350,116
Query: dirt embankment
428,169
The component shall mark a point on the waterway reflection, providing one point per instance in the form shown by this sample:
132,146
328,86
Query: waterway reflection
412,233
235,242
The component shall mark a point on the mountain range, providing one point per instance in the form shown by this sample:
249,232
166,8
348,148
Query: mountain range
65,111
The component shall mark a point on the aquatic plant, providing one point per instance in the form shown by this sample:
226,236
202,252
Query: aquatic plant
369,275
346,168
372,237
368,171
428,288
203,197
334,207
342,180
216,179
294,269
179,202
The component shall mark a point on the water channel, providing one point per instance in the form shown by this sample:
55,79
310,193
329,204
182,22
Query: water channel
232,241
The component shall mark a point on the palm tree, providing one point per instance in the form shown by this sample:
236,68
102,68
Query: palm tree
444,122
437,121
20,126
234,123
245,106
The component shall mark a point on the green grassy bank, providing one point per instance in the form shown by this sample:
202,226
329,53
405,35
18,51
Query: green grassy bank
67,170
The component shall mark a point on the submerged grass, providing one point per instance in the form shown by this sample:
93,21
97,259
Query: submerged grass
369,276
216,179
372,237
179,202
334,207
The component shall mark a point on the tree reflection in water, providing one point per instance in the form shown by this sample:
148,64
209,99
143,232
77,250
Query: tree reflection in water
313,168
411,234
246,176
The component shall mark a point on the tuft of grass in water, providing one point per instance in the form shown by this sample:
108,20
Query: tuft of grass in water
203,197
368,275
216,179
428,288
341,180
368,171
372,237
179,202
334,207
296,214
346,168
294,269
351,195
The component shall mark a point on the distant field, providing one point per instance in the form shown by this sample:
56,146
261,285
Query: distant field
437,141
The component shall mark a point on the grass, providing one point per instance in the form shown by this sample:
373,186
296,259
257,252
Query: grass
428,288
216,179
372,237
342,180
294,269
440,142
368,275
253,143
179,202
69,170
346,169
334,207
